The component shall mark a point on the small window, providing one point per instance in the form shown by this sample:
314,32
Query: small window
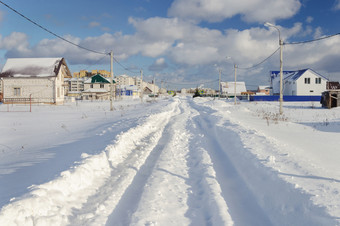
307,80
317,80
17,91
91,86
101,85
311,91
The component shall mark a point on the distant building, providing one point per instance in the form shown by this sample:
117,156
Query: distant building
263,90
96,88
304,82
85,73
38,79
125,80
228,88
75,87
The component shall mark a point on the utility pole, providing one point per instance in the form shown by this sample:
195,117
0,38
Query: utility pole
111,82
235,66
281,76
154,88
219,84
281,62
141,85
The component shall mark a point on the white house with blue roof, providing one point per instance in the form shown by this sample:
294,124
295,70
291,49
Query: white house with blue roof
304,82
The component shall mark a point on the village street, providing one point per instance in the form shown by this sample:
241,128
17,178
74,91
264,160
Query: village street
183,162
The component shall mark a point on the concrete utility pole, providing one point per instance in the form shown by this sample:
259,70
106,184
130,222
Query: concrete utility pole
141,85
111,82
235,66
154,88
281,64
219,84
235,74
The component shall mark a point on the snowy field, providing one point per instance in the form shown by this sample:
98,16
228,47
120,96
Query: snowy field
173,161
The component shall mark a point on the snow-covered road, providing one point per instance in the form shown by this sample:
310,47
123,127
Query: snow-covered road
188,163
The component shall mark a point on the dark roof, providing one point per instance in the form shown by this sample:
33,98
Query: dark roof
98,78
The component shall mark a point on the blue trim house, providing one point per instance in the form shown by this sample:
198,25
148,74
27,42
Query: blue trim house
304,82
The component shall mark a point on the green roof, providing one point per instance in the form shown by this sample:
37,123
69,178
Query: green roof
100,79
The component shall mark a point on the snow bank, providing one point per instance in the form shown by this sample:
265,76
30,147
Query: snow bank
54,202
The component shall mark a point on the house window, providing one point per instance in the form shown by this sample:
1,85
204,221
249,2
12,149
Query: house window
101,85
91,86
317,80
307,80
17,91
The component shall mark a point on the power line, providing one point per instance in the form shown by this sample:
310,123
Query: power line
52,33
247,68
313,40
58,36
125,68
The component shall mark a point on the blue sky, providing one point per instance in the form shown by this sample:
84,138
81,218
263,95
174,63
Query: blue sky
182,42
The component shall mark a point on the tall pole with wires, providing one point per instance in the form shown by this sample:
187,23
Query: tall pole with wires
235,73
281,63
219,83
111,82
141,85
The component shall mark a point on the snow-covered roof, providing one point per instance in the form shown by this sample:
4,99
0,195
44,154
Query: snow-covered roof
263,87
228,87
32,67
293,75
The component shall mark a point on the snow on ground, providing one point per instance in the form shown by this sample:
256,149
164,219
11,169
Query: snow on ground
174,161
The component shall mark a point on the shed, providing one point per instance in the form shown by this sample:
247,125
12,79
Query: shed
330,99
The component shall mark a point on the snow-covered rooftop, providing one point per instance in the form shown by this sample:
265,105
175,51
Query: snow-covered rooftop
30,67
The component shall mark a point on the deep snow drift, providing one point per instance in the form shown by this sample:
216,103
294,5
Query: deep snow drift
174,161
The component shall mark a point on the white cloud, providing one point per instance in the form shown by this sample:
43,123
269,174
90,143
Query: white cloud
15,41
158,65
218,10
337,5
318,32
309,19
187,46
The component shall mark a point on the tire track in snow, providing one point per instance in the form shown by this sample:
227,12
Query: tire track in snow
278,203
243,207
54,202
167,195
130,153
164,196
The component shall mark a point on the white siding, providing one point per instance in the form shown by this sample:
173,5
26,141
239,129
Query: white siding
300,88
312,89
41,89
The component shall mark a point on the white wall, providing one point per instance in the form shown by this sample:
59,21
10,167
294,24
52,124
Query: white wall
305,89
41,89
97,86
299,87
